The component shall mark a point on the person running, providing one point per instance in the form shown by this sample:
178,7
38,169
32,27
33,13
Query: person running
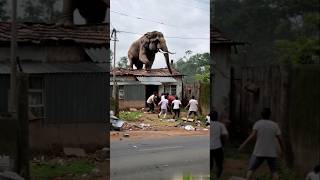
193,107
171,98
315,174
151,101
164,107
176,107
267,133
218,136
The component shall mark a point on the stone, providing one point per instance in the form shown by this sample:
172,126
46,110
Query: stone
78,152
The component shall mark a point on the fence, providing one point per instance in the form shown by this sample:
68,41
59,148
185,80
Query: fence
292,93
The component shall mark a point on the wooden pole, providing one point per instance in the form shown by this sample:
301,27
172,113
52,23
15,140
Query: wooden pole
13,66
23,126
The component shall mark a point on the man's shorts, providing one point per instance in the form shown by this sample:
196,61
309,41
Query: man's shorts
194,112
256,161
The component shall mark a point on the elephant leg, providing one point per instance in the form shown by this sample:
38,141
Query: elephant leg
148,66
130,58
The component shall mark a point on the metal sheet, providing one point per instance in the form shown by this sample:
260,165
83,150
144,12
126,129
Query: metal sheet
160,80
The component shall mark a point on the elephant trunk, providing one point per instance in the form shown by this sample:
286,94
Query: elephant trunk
166,56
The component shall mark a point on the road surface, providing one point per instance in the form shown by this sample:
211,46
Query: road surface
160,159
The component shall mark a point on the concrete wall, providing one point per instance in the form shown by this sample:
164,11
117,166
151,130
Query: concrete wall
126,104
52,137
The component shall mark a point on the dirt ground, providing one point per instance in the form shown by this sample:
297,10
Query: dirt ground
149,126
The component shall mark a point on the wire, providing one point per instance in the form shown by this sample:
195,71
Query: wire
140,18
169,37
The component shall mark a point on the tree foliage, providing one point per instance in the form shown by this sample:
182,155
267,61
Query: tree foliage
123,63
3,13
278,30
40,11
195,67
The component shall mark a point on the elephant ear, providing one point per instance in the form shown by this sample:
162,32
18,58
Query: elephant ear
145,42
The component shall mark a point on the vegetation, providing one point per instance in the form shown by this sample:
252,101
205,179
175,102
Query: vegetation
279,31
130,116
123,63
3,13
195,67
49,170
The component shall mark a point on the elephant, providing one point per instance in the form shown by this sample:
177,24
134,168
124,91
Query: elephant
93,11
143,50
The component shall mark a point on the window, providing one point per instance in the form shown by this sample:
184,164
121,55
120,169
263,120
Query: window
173,89
36,101
121,92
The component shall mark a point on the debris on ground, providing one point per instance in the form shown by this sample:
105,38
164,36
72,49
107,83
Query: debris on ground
126,135
78,152
133,109
143,125
189,128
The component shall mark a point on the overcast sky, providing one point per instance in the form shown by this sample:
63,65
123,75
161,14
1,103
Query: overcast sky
180,18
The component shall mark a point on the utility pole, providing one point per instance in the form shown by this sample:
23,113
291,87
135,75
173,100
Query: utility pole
114,87
114,34
13,65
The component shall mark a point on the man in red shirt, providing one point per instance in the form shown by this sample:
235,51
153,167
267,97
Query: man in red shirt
170,99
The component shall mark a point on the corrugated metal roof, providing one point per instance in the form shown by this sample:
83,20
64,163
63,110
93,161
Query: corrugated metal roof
42,68
36,33
97,54
161,72
156,80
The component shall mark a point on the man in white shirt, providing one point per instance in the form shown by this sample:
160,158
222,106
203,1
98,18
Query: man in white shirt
193,107
315,174
176,107
151,102
218,133
164,107
268,135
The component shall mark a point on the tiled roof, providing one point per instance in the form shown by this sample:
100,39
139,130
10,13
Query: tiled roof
217,37
164,72
43,68
35,33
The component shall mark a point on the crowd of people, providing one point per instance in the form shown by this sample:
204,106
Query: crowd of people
170,103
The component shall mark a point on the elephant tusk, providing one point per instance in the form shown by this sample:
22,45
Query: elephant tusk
164,52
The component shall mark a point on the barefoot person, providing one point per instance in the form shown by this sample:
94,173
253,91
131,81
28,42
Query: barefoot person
267,133
164,107
218,135
193,107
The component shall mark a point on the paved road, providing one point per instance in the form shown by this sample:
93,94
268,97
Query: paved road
160,159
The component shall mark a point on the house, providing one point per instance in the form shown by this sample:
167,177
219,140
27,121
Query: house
67,68
135,86
220,75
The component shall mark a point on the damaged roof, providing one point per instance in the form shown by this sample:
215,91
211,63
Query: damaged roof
163,72
217,37
37,33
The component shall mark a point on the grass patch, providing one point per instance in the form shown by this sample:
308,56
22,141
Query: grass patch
49,170
130,116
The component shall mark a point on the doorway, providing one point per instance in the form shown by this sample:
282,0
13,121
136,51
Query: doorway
149,91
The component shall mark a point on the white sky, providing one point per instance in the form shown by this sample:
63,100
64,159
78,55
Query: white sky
183,18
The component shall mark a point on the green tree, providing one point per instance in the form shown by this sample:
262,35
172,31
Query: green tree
3,12
123,63
274,28
195,67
